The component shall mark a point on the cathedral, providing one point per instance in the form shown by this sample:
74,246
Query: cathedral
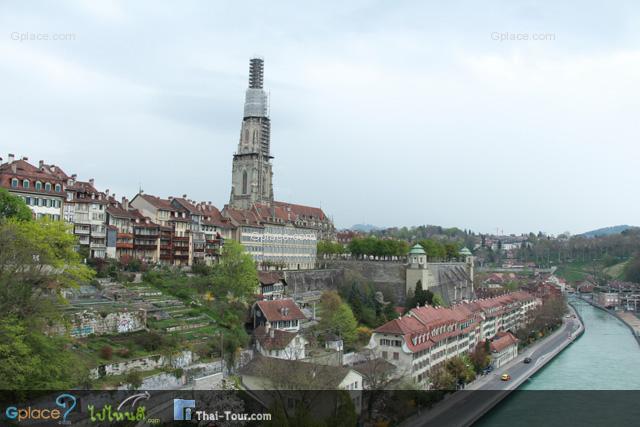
252,173
277,234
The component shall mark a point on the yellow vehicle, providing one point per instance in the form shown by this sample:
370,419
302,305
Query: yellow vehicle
505,377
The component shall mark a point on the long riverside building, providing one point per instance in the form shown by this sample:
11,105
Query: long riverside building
426,337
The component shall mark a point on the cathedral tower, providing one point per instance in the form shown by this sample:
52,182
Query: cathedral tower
251,171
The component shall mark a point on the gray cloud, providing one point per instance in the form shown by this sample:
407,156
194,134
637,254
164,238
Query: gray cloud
396,114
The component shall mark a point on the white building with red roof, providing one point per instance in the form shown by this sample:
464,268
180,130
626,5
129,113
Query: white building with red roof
426,337
504,348
281,314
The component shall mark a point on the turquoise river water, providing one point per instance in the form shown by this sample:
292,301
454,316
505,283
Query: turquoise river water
606,357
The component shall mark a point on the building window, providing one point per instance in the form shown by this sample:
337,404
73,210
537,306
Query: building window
58,188
244,182
47,186
25,183
38,185
14,183
396,355
385,355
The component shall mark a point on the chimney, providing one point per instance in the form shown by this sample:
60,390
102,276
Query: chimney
91,181
125,203
184,196
25,158
106,192
11,158
41,164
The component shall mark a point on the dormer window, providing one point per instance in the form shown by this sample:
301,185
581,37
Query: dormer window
38,185
14,183
58,188
25,183
47,186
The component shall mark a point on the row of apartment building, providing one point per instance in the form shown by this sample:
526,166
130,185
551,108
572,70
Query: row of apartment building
426,337
175,230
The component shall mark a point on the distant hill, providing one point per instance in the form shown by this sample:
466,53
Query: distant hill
607,231
365,228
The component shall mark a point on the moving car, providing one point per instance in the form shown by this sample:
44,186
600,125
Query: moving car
505,377
527,360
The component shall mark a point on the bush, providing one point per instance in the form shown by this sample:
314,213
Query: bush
201,269
106,352
151,341
124,352
134,379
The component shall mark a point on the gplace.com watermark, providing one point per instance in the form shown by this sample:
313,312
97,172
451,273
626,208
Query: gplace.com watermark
506,36
28,36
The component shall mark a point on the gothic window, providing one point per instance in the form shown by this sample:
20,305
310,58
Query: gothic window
255,135
244,182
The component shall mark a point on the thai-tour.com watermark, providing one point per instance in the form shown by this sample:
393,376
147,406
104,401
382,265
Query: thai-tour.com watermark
512,37
30,36
185,410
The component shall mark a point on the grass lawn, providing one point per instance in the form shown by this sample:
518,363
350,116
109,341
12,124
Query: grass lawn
574,271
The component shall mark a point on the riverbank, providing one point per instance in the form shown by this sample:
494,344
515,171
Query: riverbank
465,407
632,323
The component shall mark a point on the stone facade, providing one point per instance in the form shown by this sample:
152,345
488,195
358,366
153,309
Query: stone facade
180,360
91,322
252,175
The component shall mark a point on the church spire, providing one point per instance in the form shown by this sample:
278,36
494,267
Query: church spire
252,173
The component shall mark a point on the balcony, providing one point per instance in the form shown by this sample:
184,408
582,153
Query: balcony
82,231
124,245
98,245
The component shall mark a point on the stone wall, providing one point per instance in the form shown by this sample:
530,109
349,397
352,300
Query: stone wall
148,363
301,281
450,280
386,276
88,322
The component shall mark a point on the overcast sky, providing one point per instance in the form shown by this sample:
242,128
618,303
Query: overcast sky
389,113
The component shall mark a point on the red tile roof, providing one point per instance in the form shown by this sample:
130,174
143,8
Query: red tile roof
504,340
157,202
274,339
422,327
307,212
269,277
279,310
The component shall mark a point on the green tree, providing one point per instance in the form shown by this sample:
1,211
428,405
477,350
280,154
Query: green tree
337,317
13,207
235,276
31,360
437,300
441,379
36,259
632,270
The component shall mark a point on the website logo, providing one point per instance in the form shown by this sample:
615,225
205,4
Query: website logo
65,401
183,409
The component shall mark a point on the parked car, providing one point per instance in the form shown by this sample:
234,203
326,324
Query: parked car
527,360
505,377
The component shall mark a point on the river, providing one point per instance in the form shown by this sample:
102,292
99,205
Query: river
606,357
